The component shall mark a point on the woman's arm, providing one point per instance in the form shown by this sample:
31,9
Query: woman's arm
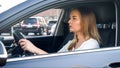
27,45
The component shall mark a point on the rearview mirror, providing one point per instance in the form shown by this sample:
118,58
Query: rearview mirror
3,54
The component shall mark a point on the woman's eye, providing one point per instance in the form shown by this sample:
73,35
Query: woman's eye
74,18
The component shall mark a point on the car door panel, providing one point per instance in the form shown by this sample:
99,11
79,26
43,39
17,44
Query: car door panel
91,58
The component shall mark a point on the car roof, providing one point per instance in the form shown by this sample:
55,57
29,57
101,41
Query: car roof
103,14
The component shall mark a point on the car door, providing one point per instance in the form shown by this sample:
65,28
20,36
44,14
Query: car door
86,58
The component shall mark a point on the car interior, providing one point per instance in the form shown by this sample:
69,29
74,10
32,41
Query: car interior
106,24
105,20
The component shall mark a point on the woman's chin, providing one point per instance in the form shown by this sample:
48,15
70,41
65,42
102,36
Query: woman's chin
71,31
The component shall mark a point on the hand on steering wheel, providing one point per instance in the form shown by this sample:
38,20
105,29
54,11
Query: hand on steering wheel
17,36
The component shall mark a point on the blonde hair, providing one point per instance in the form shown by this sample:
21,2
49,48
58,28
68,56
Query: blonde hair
88,25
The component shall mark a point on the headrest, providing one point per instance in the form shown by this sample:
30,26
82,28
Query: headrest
104,13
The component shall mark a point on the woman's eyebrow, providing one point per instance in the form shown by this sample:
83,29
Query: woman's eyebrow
74,16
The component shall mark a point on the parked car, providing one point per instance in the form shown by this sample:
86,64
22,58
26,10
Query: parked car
107,13
32,25
50,24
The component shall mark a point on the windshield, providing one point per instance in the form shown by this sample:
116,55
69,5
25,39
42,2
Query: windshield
7,4
52,22
30,20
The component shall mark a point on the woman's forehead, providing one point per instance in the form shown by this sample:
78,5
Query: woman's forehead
75,13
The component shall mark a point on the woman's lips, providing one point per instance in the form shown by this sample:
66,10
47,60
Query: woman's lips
70,26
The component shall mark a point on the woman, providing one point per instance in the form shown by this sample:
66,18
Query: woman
83,23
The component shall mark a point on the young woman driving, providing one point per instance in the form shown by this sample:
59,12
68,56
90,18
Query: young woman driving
82,23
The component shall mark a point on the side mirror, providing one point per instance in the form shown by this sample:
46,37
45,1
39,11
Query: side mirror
3,54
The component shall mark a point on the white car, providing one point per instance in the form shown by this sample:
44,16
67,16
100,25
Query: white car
53,29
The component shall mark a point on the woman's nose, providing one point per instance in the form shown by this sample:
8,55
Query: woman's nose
69,21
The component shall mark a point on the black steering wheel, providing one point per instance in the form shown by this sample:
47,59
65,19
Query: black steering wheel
18,50
17,36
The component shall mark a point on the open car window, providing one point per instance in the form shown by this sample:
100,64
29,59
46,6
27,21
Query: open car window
41,24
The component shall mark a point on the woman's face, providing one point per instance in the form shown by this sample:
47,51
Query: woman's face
74,21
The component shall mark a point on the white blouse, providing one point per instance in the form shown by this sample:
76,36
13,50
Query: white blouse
88,44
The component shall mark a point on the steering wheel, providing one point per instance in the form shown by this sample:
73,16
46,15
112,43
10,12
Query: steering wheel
17,36
18,50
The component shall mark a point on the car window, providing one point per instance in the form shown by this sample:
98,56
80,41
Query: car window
38,25
30,20
51,23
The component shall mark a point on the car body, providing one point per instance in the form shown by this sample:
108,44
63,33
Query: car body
53,29
50,24
32,25
107,13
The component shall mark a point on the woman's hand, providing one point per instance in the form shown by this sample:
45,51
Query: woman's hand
27,45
